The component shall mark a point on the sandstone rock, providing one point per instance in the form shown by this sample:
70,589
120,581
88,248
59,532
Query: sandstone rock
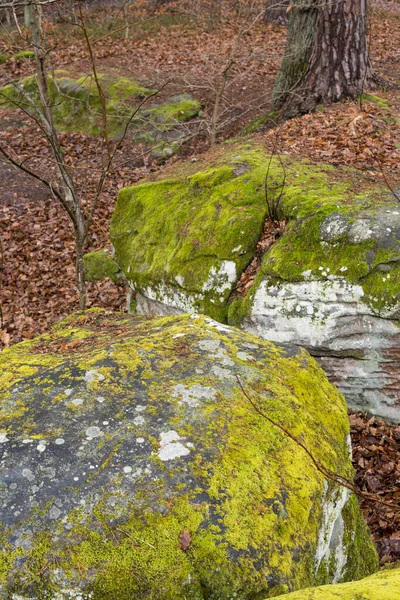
331,283
134,467
384,585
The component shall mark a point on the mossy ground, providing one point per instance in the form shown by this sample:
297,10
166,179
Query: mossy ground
246,494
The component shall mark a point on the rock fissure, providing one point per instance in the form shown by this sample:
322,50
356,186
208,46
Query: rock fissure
271,233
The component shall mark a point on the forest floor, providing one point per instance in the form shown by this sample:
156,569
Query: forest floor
181,51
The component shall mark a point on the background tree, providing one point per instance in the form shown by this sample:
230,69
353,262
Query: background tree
276,11
326,56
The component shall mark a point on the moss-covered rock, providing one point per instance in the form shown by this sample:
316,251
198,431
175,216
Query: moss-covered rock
76,105
24,54
134,467
183,242
99,265
384,585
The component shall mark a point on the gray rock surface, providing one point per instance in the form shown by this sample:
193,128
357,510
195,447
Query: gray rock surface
134,467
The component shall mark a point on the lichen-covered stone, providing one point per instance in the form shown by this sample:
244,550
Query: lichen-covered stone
134,467
99,265
384,585
331,283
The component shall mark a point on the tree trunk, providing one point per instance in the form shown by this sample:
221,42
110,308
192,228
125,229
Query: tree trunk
326,56
276,12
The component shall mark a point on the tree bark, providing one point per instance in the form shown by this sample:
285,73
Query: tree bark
276,12
326,56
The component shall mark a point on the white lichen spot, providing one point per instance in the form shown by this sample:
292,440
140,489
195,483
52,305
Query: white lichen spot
221,373
180,280
245,356
28,474
27,441
59,441
140,440
3,438
54,512
209,345
127,470
192,395
93,375
171,447
140,407
138,420
41,447
77,401
68,391
93,432
100,399
178,335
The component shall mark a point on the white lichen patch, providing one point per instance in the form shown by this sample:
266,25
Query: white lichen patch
222,373
305,313
171,447
77,401
191,396
93,432
331,533
3,438
245,356
221,278
91,376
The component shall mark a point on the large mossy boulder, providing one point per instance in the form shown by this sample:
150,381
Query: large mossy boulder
134,466
331,283
384,585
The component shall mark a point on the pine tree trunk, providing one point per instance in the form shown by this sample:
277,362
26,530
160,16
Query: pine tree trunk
276,12
326,57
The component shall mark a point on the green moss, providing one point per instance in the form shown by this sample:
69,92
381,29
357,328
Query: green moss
4,58
24,54
171,236
248,497
378,100
99,265
76,105
384,585
179,108
185,230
